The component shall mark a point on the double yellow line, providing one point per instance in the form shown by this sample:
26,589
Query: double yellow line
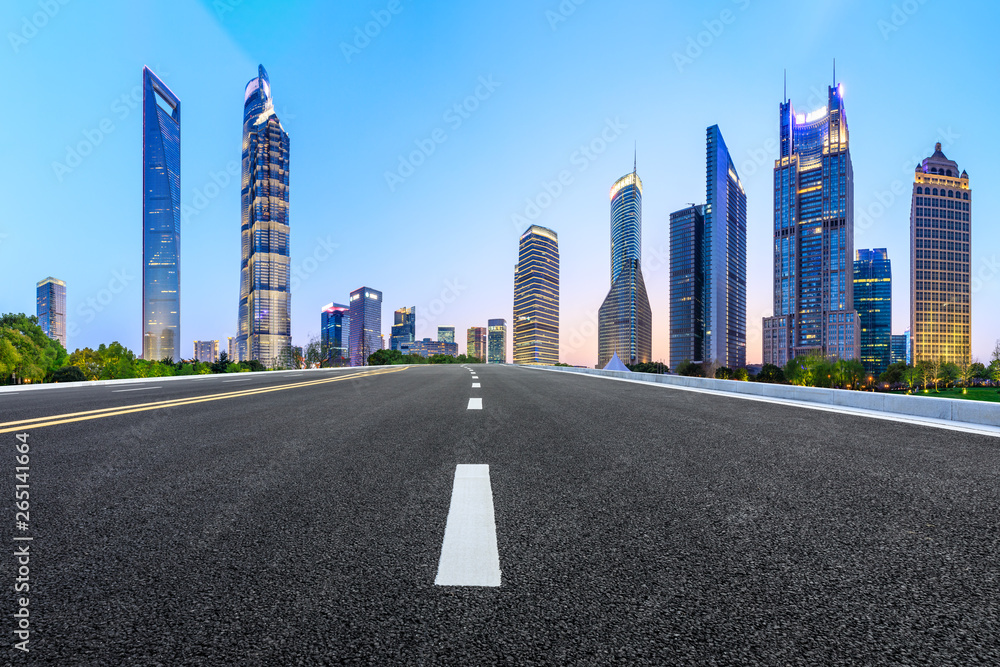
55,420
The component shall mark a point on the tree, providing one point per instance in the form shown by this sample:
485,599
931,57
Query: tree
688,368
799,371
68,374
117,361
965,372
770,374
88,361
894,373
741,374
852,373
723,373
995,357
221,365
995,371
313,355
656,367
912,376
385,358
979,371
39,354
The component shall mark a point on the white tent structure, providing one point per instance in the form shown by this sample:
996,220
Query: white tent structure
615,364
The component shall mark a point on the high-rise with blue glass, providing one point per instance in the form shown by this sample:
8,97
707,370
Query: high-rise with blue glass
335,331
366,325
813,288
404,327
725,257
687,285
161,219
624,321
873,303
264,329
50,306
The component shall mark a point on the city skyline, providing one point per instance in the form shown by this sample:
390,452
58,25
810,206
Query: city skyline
467,289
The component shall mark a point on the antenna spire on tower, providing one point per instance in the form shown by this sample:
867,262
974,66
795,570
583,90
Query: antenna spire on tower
834,72
784,91
634,153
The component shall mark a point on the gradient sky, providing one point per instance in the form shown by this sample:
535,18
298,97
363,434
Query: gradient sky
445,238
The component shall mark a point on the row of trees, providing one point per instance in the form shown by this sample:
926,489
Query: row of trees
396,357
28,355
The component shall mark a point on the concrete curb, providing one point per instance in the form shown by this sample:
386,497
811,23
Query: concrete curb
943,409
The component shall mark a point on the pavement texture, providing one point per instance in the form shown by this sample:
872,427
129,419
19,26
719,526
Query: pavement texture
636,525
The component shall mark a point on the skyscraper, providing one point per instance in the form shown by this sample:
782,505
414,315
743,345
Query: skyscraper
725,262
813,237
940,268
50,306
231,349
161,219
899,348
687,279
873,303
334,332
536,298
206,351
404,328
496,352
446,334
476,342
365,325
264,331
624,321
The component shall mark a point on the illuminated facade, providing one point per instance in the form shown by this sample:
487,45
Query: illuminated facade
873,303
428,348
161,219
940,268
264,331
404,327
813,291
536,298
231,349
496,344
334,334
50,306
687,279
899,348
206,351
475,340
624,321
725,261
365,335
446,334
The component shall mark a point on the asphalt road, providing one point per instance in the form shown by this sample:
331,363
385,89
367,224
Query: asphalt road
635,525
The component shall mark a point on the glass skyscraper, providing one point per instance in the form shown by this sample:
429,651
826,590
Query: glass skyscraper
475,340
725,261
334,334
50,306
446,334
264,331
404,327
496,345
873,303
687,279
624,321
536,298
940,266
366,325
161,219
813,291
899,348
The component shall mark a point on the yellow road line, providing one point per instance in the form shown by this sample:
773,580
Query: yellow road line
54,420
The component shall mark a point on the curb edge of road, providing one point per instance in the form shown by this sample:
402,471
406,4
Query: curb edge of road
888,415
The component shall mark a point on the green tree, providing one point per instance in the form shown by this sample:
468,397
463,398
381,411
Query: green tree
741,374
799,371
994,371
221,365
313,354
40,355
88,361
894,373
852,373
688,368
723,373
385,358
655,367
912,376
979,371
68,374
117,361
770,374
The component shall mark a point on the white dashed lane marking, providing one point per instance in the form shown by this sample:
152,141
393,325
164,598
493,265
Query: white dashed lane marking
475,404
475,385
469,555
116,391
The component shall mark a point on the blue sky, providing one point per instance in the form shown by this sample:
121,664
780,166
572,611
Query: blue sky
542,87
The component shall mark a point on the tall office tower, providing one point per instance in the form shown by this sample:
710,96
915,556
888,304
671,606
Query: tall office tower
50,306
873,303
161,219
476,342
231,349
725,242
446,334
404,327
536,298
365,325
625,320
206,351
813,237
940,268
334,334
687,280
496,347
899,345
265,314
